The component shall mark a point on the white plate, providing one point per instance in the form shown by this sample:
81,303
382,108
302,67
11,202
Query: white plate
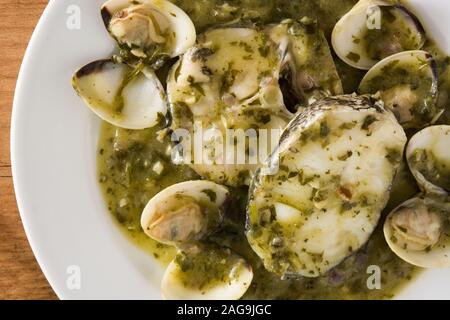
53,143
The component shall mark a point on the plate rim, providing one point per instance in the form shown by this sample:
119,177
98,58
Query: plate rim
16,107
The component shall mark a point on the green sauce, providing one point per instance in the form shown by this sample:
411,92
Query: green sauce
207,267
133,166
379,42
130,162
407,90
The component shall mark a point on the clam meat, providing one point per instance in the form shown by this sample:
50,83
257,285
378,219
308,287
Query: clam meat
149,29
408,85
374,30
418,231
185,212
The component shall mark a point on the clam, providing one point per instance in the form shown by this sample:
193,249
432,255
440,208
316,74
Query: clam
183,215
130,98
149,29
418,231
428,156
336,163
206,272
408,84
374,30
185,212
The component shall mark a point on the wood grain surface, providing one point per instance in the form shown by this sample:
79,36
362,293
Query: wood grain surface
20,275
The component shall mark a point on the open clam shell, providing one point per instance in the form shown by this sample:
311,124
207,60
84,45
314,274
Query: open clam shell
408,85
418,231
206,272
148,28
123,96
185,212
374,30
428,156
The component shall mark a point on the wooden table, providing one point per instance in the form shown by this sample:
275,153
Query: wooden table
20,275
